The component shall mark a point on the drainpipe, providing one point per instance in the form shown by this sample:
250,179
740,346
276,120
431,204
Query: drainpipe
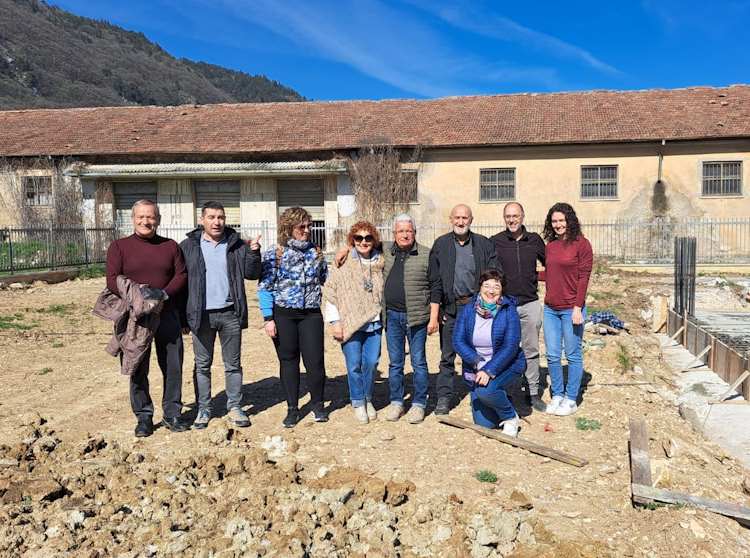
661,160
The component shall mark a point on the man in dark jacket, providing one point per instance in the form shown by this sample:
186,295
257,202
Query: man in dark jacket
218,262
457,259
518,252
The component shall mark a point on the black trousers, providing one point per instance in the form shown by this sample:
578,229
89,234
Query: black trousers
169,353
447,372
300,332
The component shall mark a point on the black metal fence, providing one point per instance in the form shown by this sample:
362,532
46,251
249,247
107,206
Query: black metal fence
718,241
51,248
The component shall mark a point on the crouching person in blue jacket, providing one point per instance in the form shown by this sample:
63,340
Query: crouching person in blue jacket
487,337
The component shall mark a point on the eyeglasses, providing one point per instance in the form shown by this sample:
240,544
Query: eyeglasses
492,288
360,238
303,226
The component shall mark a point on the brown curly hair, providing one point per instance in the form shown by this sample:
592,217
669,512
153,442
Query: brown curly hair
291,217
366,226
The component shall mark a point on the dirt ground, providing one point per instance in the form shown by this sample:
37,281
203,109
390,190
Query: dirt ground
77,482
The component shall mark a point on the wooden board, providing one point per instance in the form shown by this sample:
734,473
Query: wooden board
517,442
640,463
647,494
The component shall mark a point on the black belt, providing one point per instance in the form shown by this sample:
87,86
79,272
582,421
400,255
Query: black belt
225,309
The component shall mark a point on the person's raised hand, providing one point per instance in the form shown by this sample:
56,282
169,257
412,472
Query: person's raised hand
254,244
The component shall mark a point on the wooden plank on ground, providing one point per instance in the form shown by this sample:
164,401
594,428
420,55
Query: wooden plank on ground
517,442
640,463
733,387
698,360
650,494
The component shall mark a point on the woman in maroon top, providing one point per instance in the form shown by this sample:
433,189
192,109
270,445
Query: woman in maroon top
568,262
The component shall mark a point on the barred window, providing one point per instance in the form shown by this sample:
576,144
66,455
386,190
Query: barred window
599,181
38,190
408,191
497,184
722,178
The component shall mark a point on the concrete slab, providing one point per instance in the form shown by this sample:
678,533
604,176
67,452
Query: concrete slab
724,423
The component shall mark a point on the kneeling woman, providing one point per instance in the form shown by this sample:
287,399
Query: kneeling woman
487,336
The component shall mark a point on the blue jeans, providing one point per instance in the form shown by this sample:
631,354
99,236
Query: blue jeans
490,404
361,353
560,332
397,330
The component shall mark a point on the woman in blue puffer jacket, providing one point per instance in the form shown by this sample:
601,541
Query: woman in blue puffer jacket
487,336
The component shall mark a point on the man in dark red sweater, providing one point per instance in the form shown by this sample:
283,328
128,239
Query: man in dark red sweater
150,259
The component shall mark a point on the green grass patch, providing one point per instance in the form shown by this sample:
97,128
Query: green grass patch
583,423
58,309
485,476
57,345
92,271
14,322
624,360
44,371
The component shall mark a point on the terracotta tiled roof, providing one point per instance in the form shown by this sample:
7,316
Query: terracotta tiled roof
525,119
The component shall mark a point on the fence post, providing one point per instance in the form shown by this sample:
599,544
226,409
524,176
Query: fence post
85,248
10,249
50,248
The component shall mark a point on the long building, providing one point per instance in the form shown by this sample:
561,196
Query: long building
680,153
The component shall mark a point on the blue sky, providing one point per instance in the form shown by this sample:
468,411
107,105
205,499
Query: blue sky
375,49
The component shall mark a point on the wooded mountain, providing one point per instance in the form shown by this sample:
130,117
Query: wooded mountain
52,58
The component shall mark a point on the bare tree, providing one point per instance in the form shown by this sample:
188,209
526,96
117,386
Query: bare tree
62,202
381,187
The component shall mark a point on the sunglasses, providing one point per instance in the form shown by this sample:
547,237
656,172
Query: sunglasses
360,238
303,227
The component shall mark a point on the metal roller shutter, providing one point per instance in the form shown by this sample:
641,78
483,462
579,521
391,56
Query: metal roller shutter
307,193
226,192
126,194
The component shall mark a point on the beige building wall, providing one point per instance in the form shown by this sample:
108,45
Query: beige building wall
258,201
545,175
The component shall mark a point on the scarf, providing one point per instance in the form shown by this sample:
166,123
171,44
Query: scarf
484,309
301,245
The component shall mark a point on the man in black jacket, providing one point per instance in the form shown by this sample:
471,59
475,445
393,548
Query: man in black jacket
518,252
457,259
218,262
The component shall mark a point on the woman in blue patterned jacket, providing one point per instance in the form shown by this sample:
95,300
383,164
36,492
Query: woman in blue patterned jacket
487,336
289,296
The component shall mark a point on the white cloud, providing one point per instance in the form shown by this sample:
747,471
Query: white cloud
488,24
393,46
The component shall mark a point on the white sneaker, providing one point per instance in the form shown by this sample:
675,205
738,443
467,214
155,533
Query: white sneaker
372,414
567,407
510,427
360,413
394,412
553,405
415,415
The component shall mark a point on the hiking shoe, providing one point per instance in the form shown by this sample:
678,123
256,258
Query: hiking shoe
394,412
291,418
566,407
510,427
174,424
443,406
372,414
319,413
201,421
537,404
553,405
415,415
238,417
144,428
360,413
